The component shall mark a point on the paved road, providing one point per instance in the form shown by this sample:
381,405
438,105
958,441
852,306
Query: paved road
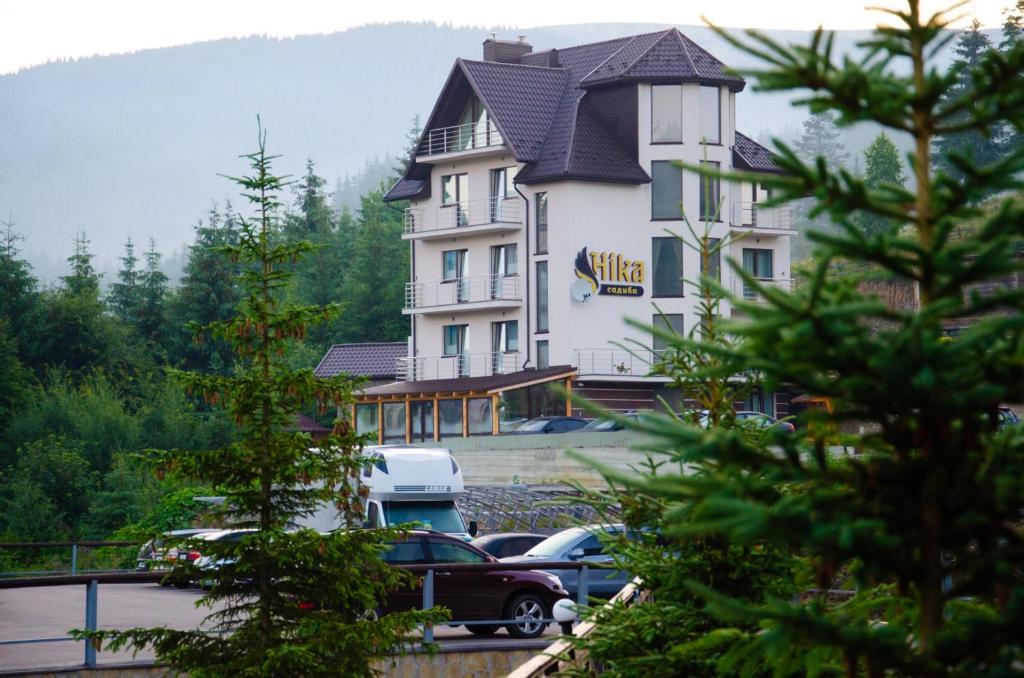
48,612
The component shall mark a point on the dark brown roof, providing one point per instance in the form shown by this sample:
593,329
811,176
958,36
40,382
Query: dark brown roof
491,384
375,361
542,112
749,155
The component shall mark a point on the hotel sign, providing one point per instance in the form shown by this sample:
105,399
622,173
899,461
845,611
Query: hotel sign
607,273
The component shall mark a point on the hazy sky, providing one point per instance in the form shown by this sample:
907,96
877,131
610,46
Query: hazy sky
37,31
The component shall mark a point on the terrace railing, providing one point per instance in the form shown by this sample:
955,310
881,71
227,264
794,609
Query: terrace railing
460,138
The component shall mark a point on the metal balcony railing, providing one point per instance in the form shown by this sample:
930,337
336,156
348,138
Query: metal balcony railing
473,289
746,292
754,215
461,214
616,362
460,138
422,368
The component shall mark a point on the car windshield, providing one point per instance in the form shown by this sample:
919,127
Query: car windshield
534,425
600,425
431,515
557,544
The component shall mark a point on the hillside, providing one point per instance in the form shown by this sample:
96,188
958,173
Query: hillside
133,144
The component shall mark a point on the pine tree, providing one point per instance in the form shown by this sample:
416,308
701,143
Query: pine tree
821,138
1013,25
883,169
983,146
18,296
270,476
125,294
924,521
83,279
412,140
152,311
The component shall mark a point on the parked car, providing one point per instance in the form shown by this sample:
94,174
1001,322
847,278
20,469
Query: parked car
759,419
606,424
153,555
580,543
550,425
206,565
504,544
526,596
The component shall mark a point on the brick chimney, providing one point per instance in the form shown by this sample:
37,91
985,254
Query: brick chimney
506,51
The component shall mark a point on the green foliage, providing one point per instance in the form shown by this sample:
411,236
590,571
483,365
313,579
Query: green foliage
17,288
125,296
935,493
83,279
883,167
52,471
269,476
151,316
14,377
984,145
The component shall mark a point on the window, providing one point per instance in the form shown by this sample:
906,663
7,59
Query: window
710,191
542,296
543,359
666,114
504,262
454,195
710,115
667,260
405,552
475,128
394,422
366,418
455,339
502,188
421,415
758,263
447,552
505,336
759,401
541,200
666,190
479,416
455,264
671,322
449,414
714,267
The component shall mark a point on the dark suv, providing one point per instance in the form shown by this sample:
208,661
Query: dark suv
525,596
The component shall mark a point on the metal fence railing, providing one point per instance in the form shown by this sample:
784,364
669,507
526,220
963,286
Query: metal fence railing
464,290
422,368
92,582
77,550
457,138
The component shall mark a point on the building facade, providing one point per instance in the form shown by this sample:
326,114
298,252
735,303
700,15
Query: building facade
545,200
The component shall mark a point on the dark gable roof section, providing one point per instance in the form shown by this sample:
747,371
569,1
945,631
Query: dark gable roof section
376,360
749,155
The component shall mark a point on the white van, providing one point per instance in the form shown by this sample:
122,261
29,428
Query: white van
407,485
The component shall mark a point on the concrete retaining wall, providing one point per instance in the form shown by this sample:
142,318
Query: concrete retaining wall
542,459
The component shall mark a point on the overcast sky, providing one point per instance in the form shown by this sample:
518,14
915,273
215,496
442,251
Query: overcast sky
37,31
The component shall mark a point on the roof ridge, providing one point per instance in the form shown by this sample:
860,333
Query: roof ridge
621,37
631,39
371,343
504,63
647,51
686,49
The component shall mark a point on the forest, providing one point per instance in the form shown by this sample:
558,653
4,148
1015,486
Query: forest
83,362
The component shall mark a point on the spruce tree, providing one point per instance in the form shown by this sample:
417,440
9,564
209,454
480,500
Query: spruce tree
152,311
982,146
83,279
883,168
925,520
125,294
18,295
821,138
412,140
272,475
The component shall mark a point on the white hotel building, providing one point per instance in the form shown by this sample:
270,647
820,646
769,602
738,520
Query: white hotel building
541,197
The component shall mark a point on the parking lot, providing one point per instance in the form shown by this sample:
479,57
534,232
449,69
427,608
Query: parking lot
49,612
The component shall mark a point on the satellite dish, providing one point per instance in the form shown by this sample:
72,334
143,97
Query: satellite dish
581,290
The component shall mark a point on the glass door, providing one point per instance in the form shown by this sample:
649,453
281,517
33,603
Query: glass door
758,263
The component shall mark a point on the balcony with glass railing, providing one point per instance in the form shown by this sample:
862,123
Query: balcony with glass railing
752,216
423,368
488,215
469,293
471,138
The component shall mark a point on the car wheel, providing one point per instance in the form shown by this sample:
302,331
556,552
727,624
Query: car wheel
483,629
528,609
